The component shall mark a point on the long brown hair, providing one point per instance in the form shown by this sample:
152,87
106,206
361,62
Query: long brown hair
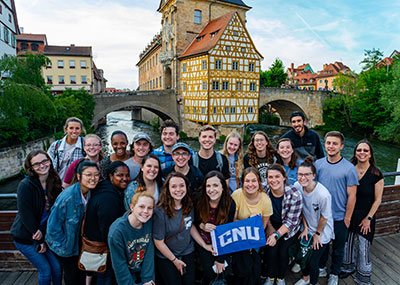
251,151
167,202
293,157
254,170
374,169
224,205
239,152
53,181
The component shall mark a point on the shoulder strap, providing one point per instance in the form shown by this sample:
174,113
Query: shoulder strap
219,160
83,147
195,158
56,154
183,218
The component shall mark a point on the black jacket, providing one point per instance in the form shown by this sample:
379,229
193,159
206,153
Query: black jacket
105,206
308,144
31,204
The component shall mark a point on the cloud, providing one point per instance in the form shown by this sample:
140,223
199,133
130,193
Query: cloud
115,32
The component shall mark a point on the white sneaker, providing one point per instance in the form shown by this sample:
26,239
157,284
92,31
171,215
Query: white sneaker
333,279
269,281
322,272
302,282
296,268
280,282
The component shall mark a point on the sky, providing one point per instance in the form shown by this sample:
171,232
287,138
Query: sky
296,31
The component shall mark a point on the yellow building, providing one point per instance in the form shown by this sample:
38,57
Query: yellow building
70,67
220,74
326,77
150,68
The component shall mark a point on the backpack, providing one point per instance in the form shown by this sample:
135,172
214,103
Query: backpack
58,156
220,162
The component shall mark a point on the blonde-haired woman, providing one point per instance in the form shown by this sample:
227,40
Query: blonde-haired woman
94,152
233,150
70,148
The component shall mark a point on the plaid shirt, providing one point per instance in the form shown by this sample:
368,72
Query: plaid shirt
164,157
292,206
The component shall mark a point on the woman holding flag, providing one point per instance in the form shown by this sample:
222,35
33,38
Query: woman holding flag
250,201
215,207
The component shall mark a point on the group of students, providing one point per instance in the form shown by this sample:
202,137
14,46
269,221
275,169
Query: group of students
155,209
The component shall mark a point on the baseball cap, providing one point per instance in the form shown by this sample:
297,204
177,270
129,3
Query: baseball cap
179,145
141,136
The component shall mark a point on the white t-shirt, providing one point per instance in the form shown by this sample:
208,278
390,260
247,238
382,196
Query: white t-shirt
315,204
67,159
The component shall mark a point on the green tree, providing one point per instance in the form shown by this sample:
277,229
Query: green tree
25,69
275,76
371,58
390,131
74,103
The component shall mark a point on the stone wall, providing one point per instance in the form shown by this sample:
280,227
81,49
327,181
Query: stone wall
12,158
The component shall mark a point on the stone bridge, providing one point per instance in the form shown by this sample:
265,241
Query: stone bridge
285,101
163,103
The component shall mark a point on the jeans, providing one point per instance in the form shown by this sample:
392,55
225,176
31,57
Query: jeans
72,274
312,268
46,263
337,248
170,274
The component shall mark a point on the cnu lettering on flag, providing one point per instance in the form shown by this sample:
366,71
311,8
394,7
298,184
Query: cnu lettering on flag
238,236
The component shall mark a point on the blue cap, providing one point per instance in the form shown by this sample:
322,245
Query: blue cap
179,145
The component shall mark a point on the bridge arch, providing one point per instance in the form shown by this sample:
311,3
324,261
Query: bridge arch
287,100
163,104
284,108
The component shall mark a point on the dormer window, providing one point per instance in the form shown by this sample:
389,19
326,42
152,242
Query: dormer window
199,38
213,33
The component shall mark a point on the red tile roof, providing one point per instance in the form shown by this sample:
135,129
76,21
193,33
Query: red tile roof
205,40
333,69
306,76
32,37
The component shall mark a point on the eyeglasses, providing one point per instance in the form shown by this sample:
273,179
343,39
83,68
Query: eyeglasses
362,150
93,145
90,176
260,140
304,174
183,154
43,163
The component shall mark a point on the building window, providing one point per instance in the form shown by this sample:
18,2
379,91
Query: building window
235,33
194,110
251,67
243,49
49,79
34,47
214,110
252,86
160,81
151,86
83,64
233,110
235,65
226,110
204,85
1,9
48,65
72,64
184,86
156,82
187,110
6,34
225,85
238,86
218,64
204,65
24,46
215,85
60,79
213,33
228,48
9,18
197,17
157,58
320,81
184,67
250,110
73,79
83,79
203,110
60,64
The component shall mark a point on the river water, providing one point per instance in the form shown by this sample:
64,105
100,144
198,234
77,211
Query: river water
386,154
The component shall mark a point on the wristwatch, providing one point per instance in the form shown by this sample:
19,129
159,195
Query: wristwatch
369,218
318,233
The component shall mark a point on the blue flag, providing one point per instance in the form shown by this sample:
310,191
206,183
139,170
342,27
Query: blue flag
238,236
